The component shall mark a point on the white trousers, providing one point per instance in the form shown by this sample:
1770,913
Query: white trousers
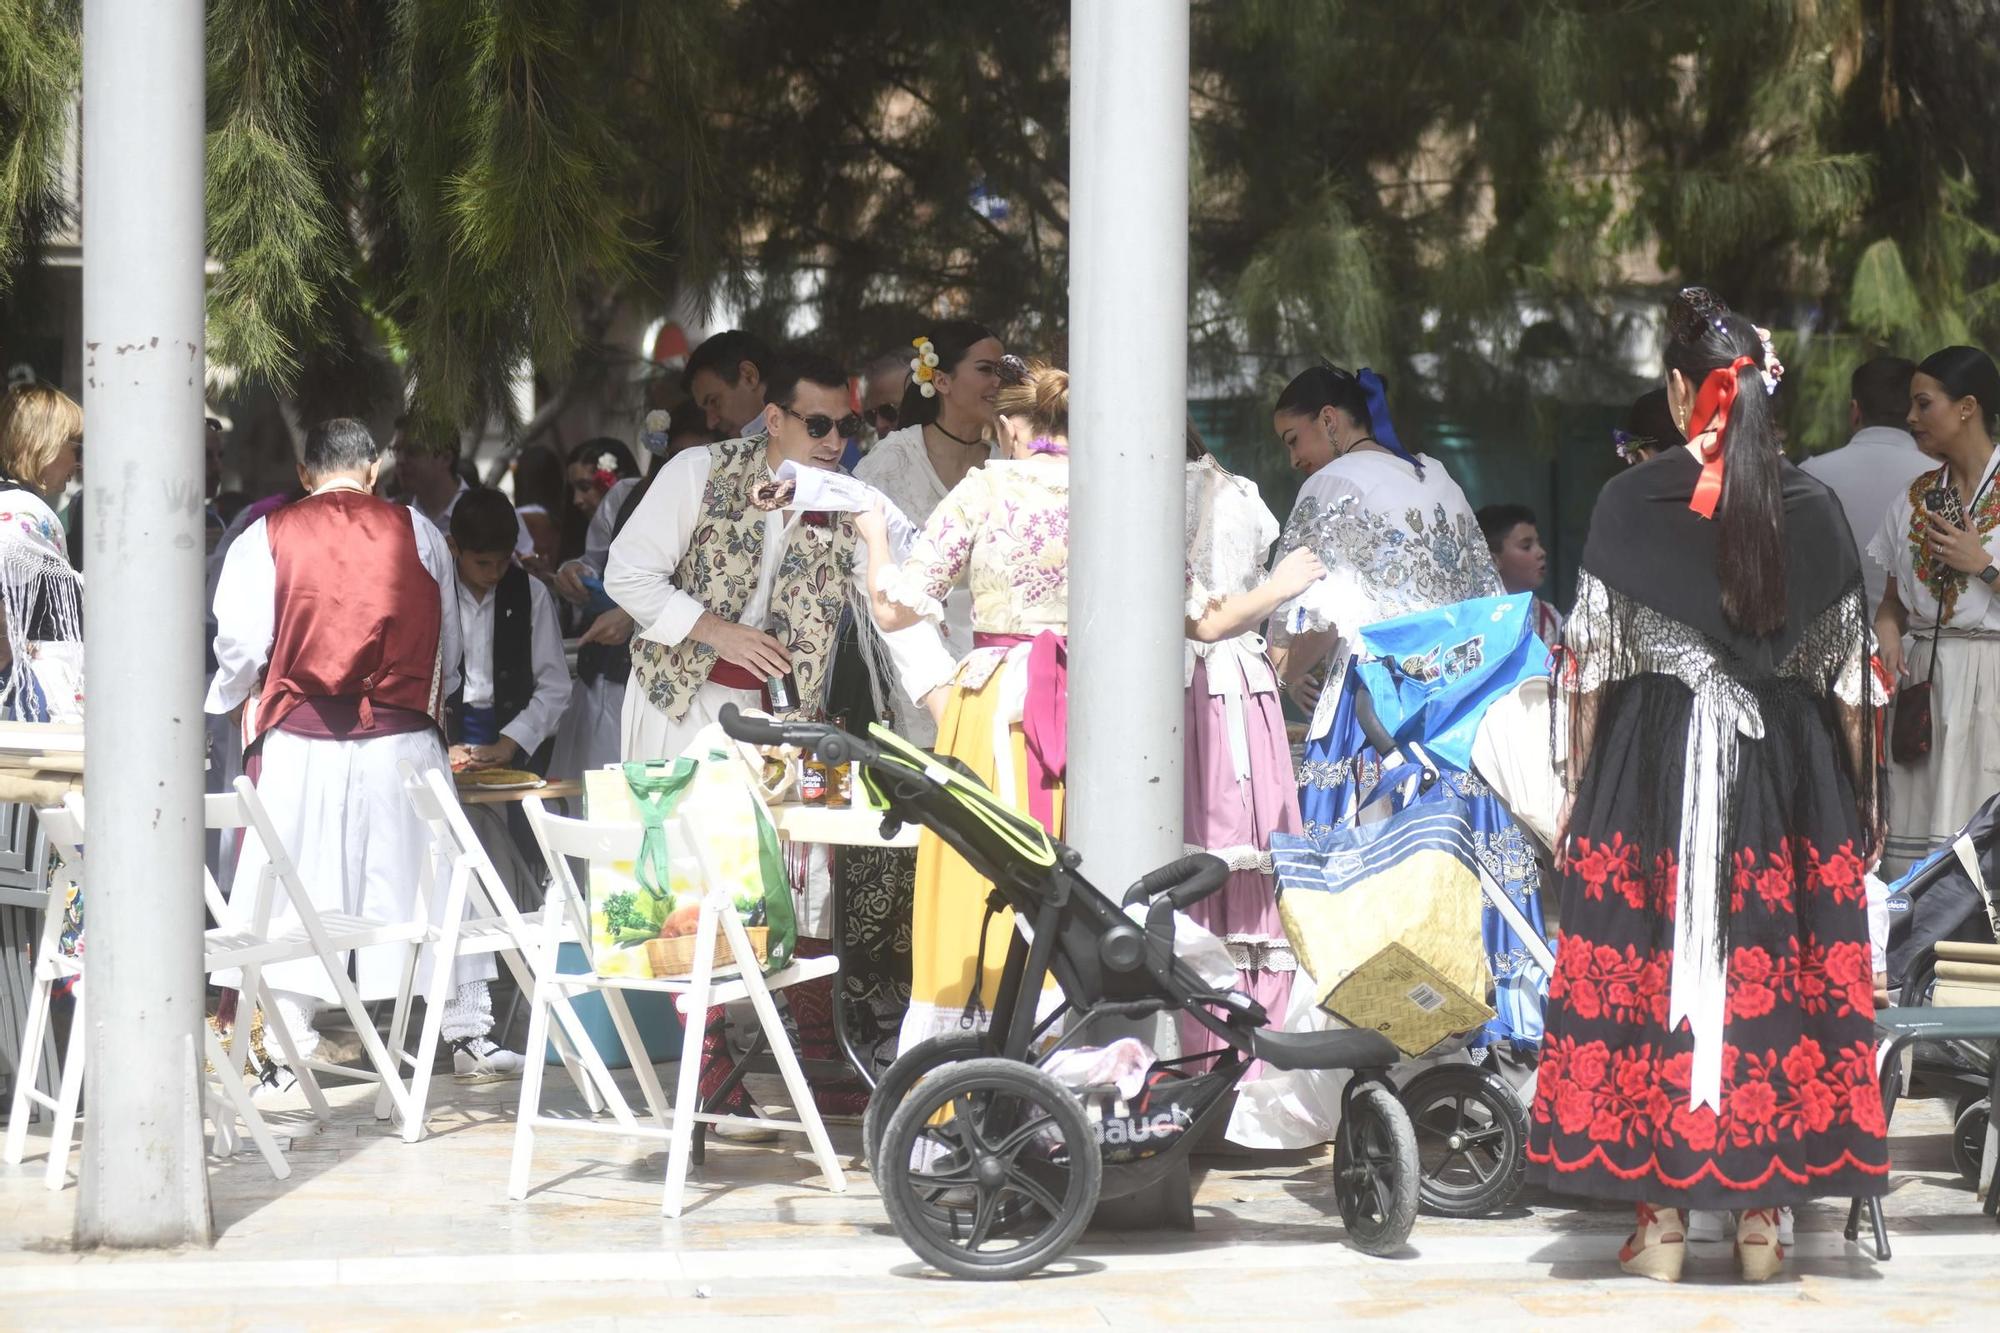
359,844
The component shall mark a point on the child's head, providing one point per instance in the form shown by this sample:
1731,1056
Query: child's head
1516,545
483,531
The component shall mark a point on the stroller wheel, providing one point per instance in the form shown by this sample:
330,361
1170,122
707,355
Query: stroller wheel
989,1169
1375,1170
1472,1139
909,1067
1968,1139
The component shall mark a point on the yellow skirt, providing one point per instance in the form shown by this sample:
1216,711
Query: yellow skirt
950,901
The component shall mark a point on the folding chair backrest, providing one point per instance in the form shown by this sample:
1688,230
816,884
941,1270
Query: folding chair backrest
562,839
436,803
278,863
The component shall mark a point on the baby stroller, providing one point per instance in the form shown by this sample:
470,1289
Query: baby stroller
1951,897
988,1166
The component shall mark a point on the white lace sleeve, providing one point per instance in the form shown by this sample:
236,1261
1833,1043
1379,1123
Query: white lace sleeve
1229,533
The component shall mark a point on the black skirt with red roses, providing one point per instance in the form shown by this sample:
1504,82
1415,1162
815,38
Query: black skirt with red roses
1801,1111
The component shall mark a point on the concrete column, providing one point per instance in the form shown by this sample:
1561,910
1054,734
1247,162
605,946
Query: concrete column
1128,362
145,1179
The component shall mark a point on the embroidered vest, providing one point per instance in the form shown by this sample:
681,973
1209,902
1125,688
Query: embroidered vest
358,617
720,571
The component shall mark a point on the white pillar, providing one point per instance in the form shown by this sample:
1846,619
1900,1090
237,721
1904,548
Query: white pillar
145,1179
1128,396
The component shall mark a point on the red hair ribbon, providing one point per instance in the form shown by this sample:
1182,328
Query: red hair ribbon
1711,406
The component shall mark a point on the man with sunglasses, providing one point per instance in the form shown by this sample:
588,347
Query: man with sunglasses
736,603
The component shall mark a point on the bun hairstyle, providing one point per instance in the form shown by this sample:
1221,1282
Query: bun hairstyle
951,339
1040,397
1967,372
1705,336
1322,386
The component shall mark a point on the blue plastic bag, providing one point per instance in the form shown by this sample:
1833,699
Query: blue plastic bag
1432,674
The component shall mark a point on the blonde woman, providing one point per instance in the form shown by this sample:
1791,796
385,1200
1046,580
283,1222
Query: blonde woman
1005,529
41,432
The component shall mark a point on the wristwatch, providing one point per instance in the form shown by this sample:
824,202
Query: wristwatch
1990,575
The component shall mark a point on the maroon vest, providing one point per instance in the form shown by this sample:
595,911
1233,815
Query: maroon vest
358,614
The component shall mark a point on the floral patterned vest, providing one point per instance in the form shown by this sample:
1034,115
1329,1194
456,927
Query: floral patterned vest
720,571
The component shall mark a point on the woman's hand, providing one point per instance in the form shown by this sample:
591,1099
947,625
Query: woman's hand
1957,547
1297,572
872,526
611,629
569,584
1889,647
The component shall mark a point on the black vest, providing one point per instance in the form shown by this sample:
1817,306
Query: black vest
513,660
599,661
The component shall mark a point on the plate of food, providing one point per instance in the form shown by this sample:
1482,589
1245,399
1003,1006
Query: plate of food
497,779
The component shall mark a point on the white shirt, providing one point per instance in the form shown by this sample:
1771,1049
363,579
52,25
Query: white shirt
246,611
1866,474
639,570
524,545
538,718
1894,551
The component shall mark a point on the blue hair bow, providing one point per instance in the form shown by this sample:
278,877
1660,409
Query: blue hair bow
1379,424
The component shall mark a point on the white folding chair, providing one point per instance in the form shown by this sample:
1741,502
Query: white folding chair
51,966
481,917
252,942
226,1100
562,839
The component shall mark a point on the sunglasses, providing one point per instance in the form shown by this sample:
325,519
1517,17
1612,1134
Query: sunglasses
819,425
882,418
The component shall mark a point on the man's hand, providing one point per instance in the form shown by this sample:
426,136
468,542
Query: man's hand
569,584
611,629
499,754
751,649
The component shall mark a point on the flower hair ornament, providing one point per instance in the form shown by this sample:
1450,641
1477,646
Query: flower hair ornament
606,471
923,366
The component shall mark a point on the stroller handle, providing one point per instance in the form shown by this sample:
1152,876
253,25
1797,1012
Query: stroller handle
825,742
1185,881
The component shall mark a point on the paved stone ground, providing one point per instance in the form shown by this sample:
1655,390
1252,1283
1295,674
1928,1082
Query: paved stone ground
373,1233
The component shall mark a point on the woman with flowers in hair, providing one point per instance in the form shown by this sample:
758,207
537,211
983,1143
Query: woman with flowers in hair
1710,1026
1004,529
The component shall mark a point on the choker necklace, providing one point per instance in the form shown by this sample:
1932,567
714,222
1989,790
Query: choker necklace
1357,442
960,439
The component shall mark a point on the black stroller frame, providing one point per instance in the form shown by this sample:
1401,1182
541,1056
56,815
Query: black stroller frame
988,1166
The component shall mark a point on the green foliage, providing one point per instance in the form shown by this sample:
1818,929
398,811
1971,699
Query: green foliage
40,68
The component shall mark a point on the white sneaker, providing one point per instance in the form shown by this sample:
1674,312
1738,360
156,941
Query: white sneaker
481,1060
738,1131
1706,1224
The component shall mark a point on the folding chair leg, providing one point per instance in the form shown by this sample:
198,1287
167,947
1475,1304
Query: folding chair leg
399,1027
687,1093
238,1100
579,1057
28,1074
795,1077
63,1132
425,1060
531,1091
1882,1254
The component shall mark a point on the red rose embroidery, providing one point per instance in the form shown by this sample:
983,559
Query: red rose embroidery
1696,1126
1752,999
1584,1000
1751,964
1864,1103
1753,1103
1635,1076
1574,1109
1817,1104
1804,1061
1589,1064
1606,1127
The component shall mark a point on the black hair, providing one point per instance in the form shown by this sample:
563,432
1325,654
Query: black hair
539,478
1322,386
1197,447
951,339
596,447
1704,335
483,522
1880,388
1650,420
781,383
724,354
340,445
689,420
1967,372
1496,521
